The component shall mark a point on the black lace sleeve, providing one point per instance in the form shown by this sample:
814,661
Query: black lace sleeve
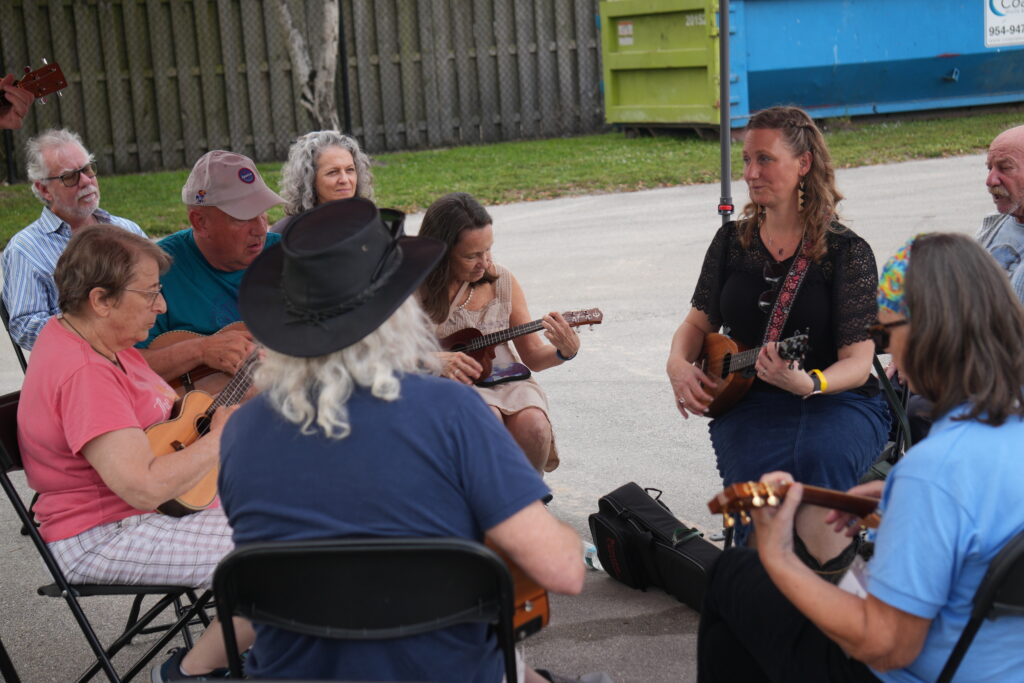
855,289
708,291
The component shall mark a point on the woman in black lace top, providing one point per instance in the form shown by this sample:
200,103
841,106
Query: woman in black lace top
831,438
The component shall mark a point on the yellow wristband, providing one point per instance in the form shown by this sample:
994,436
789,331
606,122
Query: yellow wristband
821,378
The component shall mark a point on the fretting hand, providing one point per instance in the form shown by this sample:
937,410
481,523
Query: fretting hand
561,335
18,100
227,350
777,371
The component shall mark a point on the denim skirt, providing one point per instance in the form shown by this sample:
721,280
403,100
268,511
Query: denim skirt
828,440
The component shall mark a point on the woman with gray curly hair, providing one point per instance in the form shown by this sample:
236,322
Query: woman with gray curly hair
322,166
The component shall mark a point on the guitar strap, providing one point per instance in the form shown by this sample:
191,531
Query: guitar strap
787,294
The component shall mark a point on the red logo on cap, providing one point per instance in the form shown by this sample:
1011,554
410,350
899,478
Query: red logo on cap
246,176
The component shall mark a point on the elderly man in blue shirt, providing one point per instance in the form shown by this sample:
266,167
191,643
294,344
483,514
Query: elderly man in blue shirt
63,176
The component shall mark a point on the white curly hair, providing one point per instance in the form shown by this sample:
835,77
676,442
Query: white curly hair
298,175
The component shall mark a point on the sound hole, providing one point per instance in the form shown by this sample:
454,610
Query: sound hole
202,424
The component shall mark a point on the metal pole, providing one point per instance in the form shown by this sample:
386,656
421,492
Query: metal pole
725,205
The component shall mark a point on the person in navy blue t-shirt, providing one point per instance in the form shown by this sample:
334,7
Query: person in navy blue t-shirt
351,437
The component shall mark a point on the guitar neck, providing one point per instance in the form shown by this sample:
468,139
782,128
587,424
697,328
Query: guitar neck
496,338
861,506
235,390
743,359
743,497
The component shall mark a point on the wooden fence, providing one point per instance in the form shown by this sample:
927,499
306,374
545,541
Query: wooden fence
155,83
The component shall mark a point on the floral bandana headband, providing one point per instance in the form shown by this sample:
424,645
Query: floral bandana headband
892,280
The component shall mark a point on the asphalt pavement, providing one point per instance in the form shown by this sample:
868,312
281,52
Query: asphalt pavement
636,256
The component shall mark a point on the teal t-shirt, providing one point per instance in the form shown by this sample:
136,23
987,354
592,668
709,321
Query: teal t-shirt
199,297
949,506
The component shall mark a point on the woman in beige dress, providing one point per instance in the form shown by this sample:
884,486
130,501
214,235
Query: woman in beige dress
468,290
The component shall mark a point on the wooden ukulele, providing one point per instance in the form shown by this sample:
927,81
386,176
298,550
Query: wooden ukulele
201,377
532,608
192,422
728,361
45,80
738,499
480,347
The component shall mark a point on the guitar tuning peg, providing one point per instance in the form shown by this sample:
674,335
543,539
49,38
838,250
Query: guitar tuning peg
42,100
744,517
728,521
756,500
60,93
44,61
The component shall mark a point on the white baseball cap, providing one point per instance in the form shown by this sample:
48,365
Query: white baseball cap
230,182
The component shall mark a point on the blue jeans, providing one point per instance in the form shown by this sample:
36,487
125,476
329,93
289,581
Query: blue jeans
828,440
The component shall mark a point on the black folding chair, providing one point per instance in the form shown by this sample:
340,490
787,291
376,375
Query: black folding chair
169,596
6,317
1000,594
900,435
336,589
7,672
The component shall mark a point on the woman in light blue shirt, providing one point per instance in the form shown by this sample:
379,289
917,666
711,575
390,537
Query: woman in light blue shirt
954,327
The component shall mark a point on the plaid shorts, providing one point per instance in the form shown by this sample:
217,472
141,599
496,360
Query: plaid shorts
148,549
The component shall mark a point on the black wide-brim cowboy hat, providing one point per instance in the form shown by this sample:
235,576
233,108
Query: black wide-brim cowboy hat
336,275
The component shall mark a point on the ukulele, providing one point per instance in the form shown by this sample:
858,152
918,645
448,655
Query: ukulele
728,361
191,422
201,377
738,499
480,346
532,609
45,80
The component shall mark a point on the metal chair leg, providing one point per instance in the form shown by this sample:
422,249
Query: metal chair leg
7,671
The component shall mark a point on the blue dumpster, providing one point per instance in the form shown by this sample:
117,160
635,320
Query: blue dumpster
832,57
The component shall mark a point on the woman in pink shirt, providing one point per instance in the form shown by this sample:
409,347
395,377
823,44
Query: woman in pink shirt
87,398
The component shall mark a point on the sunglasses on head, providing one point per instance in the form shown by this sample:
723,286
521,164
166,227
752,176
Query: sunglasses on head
71,178
880,333
773,273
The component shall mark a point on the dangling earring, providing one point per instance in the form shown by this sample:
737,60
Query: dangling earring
800,196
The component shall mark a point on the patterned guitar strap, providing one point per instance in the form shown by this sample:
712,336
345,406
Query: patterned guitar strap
787,294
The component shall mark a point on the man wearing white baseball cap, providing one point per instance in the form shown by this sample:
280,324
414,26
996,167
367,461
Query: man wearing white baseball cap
227,203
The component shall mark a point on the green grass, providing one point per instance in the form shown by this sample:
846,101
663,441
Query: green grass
541,169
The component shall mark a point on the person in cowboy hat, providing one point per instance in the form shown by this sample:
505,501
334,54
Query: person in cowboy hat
351,436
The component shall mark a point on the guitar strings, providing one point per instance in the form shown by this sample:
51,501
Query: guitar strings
572,317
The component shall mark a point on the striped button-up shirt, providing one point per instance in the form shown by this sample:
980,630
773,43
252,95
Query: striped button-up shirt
29,260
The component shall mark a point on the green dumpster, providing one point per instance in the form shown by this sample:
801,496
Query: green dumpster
660,61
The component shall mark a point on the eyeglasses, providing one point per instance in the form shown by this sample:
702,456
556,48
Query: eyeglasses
773,273
150,294
71,178
880,334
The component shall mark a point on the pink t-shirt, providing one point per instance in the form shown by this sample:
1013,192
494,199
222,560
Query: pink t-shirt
71,395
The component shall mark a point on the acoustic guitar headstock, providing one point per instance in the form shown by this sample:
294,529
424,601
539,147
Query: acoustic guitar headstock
795,347
737,500
45,80
590,316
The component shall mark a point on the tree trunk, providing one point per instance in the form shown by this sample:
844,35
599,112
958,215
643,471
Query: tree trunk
315,66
